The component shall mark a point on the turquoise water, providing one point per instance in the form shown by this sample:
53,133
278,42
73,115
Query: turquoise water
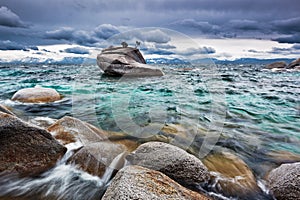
251,110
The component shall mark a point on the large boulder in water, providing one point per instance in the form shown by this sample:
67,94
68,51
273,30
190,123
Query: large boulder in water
135,182
284,181
277,65
176,163
36,95
119,61
26,149
294,64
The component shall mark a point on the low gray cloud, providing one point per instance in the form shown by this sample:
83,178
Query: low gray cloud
10,19
10,45
202,26
77,50
194,51
296,46
152,51
105,31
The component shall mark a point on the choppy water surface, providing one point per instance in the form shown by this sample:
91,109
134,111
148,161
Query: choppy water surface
257,111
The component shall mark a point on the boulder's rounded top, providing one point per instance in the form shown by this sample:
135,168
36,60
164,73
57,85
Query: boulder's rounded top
36,95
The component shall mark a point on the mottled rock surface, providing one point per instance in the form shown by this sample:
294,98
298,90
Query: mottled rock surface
176,163
284,182
25,148
135,182
119,61
36,95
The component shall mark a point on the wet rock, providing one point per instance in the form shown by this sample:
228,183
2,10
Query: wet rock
231,175
25,148
119,61
294,64
284,181
36,95
278,65
43,122
5,110
97,157
69,129
176,163
135,182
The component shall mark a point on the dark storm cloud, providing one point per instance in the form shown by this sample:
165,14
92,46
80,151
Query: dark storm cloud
93,21
203,26
10,19
77,50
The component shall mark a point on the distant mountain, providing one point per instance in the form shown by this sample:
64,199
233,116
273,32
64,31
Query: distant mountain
83,60
166,61
64,61
252,61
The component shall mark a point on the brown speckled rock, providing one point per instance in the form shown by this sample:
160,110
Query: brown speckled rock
284,181
36,95
135,182
176,163
26,149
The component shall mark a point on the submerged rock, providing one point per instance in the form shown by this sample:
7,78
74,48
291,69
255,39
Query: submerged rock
135,182
119,61
36,95
279,65
26,149
97,157
69,129
233,177
284,181
176,163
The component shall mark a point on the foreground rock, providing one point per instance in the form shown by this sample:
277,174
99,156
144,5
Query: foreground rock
135,182
176,163
36,95
97,157
69,129
232,175
284,181
119,61
26,149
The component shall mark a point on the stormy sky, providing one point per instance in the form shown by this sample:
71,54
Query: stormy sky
26,24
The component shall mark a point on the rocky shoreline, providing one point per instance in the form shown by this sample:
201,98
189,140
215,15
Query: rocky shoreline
148,168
